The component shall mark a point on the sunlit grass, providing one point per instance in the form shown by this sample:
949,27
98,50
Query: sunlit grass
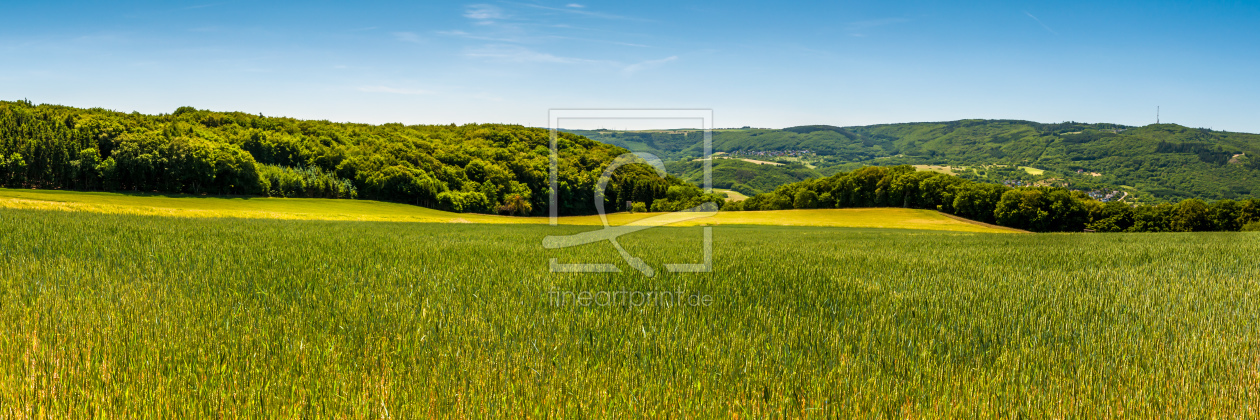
1033,171
122,316
378,211
731,195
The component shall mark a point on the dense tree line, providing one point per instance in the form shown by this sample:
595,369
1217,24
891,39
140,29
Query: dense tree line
279,181
1038,209
471,168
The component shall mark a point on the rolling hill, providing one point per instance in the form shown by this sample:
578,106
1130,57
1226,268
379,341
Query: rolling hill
1154,163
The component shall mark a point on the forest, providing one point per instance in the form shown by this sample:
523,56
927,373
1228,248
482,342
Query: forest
491,168
483,168
1037,209
745,177
1155,163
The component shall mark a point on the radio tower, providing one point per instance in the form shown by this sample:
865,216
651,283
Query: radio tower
1156,115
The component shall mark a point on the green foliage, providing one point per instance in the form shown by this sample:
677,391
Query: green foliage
473,168
686,197
1192,216
805,199
1039,209
278,181
463,202
977,201
516,204
745,177
663,143
12,170
1156,218
1112,216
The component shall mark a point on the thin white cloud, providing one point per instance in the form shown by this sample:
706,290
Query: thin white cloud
398,91
487,97
579,11
408,37
484,12
513,34
624,44
1039,22
512,39
517,54
864,24
535,39
645,65
857,28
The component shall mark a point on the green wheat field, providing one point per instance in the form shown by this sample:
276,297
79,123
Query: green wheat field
133,316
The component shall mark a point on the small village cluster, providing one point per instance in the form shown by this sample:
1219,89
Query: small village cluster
1100,195
1107,195
773,153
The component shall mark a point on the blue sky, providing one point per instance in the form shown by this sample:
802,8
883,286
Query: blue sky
754,63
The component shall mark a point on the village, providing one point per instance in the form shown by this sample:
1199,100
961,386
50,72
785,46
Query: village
772,153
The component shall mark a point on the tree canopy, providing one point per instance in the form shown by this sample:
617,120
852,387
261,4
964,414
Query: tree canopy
470,168
1038,209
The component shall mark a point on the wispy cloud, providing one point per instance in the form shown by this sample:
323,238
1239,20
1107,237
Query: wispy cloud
645,65
515,33
580,10
858,28
519,38
624,44
202,6
408,37
398,91
487,97
508,38
1039,22
484,14
518,54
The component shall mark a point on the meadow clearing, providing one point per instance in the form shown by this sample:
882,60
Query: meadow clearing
141,316
193,206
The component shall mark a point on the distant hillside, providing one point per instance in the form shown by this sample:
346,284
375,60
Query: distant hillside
745,177
1164,162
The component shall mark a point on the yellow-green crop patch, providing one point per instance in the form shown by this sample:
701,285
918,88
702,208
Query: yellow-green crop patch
732,195
377,211
1033,171
948,170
